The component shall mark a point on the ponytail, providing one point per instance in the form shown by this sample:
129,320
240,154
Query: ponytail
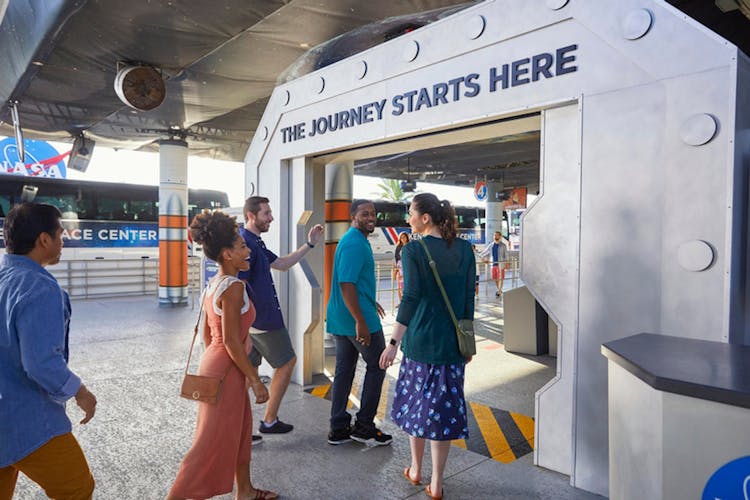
448,225
442,213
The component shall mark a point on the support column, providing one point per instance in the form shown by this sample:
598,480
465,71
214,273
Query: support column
339,181
173,223
494,210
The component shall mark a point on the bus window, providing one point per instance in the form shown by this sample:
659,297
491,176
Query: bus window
144,210
4,204
64,200
390,214
198,199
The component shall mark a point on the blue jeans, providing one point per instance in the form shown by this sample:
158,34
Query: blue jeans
347,354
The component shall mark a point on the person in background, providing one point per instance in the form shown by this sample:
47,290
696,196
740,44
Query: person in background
270,337
353,318
429,400
475,251
222,444
35,381
403,239
499,253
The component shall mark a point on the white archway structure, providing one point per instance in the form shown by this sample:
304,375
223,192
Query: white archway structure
642,222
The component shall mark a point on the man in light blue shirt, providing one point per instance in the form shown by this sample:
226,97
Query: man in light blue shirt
35,381
353,318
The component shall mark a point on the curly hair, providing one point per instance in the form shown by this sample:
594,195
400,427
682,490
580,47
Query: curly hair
215,231
442,213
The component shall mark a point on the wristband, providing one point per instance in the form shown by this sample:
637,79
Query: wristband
393,342
310,244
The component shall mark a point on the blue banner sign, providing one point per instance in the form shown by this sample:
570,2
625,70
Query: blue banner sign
730,482
99,234
42,160
209,268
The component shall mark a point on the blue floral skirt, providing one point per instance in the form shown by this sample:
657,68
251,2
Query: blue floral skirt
429,401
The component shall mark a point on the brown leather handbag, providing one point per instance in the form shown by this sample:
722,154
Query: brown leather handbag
200,387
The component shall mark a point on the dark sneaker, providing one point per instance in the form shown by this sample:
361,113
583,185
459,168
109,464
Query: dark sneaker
369,434
257,439
278,428
340,436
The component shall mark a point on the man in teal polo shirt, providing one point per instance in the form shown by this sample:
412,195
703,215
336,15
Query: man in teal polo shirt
353,318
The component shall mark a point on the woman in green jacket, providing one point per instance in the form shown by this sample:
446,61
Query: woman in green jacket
429,402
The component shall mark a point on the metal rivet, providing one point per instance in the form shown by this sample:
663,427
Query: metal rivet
696,255
411,51
361,70
319,85
475,27
636,24
287,97
698,129
265,133
556,4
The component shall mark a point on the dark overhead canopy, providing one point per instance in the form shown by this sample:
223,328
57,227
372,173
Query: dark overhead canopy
221,60
513,160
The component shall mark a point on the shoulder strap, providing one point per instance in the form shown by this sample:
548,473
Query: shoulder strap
195,332
439,282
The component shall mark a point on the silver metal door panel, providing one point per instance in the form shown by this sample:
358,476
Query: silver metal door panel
549,267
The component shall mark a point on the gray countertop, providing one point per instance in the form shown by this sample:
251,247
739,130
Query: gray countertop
714,371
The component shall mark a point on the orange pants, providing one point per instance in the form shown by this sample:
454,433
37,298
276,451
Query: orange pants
59,467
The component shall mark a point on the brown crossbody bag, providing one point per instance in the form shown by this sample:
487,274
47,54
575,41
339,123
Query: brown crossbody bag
200,387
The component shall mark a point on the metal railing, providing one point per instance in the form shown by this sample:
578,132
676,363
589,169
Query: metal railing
132,277
387,284
84,279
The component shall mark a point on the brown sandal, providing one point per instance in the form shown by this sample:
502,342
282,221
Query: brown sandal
407,475
428,492
265,495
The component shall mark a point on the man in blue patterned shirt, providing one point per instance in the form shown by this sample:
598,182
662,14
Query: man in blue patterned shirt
35,381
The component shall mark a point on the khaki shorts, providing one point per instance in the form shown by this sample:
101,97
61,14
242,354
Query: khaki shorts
274,345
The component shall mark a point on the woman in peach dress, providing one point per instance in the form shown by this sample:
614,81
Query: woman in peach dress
220,454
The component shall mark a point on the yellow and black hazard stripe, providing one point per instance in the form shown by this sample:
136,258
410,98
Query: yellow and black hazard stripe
498,434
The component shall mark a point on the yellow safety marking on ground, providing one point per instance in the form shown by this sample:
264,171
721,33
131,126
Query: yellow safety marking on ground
383,404
494,438
526,426
491,422
321,390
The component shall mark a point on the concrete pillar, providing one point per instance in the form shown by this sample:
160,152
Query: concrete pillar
494,210
339,181
173,223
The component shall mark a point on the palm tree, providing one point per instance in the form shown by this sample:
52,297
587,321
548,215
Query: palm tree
390,189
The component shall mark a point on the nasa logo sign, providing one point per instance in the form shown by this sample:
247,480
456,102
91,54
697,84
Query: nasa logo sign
42,160
730,481
480,191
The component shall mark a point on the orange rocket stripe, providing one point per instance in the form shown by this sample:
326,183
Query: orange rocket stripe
328,271
338,210
173,263
178,221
